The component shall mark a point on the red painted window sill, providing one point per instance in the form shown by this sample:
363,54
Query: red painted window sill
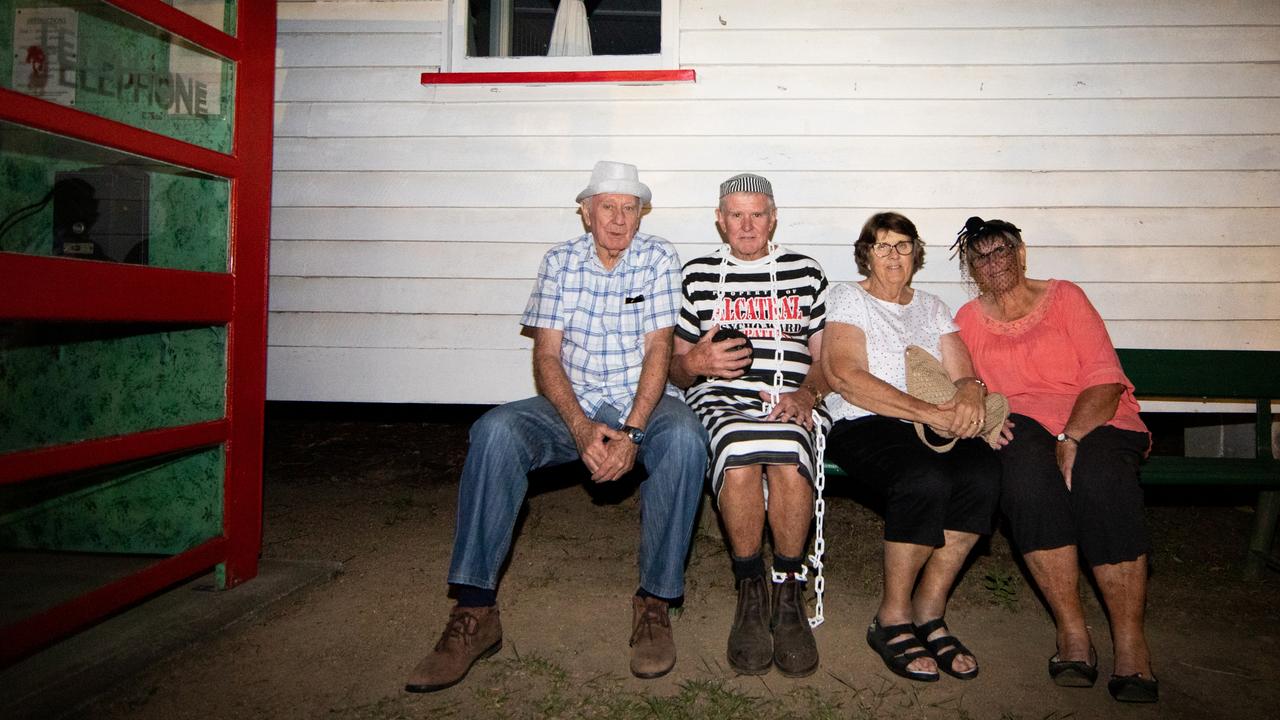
570,76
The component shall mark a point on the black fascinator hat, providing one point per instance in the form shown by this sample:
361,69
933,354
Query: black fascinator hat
976,229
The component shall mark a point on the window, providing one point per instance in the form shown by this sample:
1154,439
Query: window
515,35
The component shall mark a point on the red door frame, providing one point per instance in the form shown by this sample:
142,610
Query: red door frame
85,290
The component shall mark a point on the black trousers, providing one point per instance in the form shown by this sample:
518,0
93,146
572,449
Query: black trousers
925,492
1102,514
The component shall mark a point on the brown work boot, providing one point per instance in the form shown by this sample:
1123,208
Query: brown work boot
653,651
750,643
472,633
795,652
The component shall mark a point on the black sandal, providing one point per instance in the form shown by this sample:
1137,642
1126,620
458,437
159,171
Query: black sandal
1074,673
898,655
945,648
1134,688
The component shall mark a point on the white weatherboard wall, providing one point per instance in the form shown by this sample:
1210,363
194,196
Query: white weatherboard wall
1136,143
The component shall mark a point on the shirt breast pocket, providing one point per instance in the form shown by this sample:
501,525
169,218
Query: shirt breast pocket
632,315
571,311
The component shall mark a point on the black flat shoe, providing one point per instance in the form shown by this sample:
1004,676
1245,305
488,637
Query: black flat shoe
945,648
1074,673
1134,688
898,655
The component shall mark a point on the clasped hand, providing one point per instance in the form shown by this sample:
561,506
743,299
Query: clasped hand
964,414
608,453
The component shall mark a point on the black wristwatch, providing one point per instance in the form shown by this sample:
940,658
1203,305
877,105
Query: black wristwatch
635,433
1063,437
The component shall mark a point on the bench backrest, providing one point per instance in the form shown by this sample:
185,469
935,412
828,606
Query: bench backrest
1242,374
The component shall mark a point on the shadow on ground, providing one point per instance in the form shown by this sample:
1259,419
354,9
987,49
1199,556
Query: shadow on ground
377,495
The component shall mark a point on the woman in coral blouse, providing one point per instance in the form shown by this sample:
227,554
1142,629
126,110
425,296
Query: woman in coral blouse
1070,486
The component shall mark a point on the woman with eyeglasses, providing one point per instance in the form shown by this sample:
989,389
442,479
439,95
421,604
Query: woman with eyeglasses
936,505
1070,487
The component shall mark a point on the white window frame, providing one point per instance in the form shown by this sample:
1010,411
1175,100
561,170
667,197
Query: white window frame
457,61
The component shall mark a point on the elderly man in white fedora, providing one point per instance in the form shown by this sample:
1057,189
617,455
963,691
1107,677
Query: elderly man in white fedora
603,312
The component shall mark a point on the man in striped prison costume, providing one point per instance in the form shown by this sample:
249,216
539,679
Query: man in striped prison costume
756,392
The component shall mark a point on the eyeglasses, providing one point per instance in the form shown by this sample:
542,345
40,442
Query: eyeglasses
999,252
904,248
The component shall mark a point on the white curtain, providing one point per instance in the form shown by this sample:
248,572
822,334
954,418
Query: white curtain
570,35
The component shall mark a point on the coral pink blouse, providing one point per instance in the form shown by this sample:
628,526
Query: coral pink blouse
1043,360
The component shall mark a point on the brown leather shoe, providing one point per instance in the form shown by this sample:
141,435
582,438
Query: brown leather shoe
795,652
653,650
750,642
471,634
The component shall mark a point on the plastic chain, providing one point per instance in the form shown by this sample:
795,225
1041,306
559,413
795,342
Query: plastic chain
819,509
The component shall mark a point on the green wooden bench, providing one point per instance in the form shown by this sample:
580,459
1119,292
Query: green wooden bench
1218,375
1213,375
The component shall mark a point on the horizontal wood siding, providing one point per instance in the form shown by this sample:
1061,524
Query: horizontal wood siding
659,119
504,261
1136,143
774,153
807,82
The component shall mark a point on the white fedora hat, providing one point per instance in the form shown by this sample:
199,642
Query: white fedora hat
616,178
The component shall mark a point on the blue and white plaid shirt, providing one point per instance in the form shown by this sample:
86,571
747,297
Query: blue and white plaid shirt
605,314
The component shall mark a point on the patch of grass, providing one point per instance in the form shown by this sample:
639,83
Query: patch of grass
549,578
387,708
401,509
532,687
817,705
1003,587
708,699
539,666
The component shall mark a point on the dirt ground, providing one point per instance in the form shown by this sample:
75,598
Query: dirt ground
378,495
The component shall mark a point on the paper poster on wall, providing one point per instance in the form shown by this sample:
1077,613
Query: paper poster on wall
45,52
203,72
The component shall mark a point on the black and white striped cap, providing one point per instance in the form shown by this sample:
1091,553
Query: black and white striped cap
746,182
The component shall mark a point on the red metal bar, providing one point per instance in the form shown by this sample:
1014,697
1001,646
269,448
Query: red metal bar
49,288
85,454
570,76
247,333
30,634
179,23
54,118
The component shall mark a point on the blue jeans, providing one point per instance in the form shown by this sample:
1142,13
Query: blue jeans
510,440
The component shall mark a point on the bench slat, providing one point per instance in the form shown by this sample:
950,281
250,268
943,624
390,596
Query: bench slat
1160,470
1244,374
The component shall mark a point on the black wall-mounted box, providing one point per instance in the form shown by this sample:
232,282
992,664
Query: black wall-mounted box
102,213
